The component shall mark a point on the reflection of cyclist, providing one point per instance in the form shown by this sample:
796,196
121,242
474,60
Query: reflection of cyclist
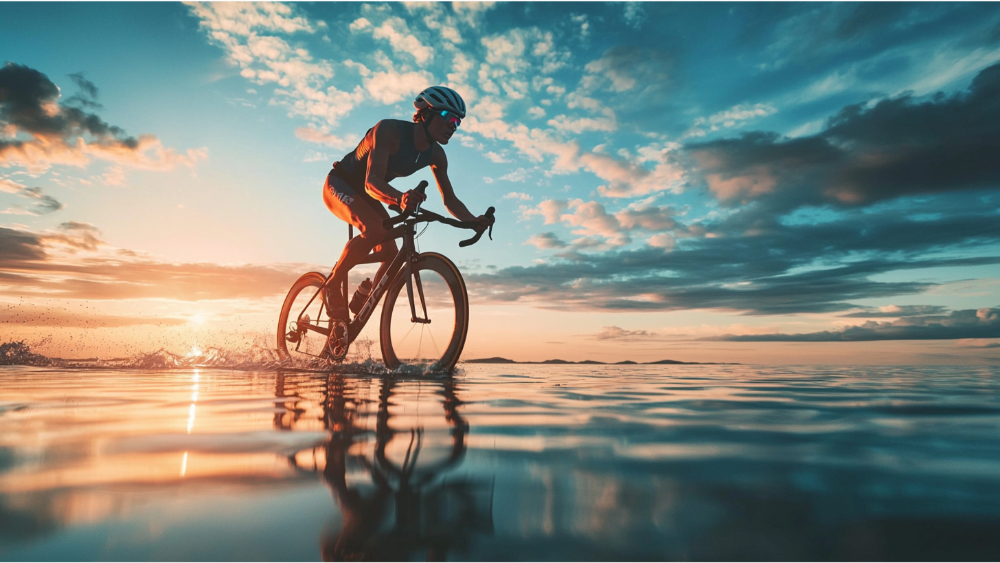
390,150
410,510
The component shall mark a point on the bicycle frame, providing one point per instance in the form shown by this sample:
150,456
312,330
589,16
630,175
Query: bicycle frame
407,252
405,228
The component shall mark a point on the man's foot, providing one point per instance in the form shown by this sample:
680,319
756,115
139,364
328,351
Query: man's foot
335,305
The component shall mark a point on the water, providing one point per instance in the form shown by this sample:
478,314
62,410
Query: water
501,462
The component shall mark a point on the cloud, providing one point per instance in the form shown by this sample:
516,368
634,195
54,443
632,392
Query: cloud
970,323
897,147
630,177
581,124
592,221
397,32
641,77
829,29
313,135
550,209
390,86
618,333
517,195
250,34
896,311
495,157
40,131
87,96
545,241
780,269
41,204
735,116
10,186
75,263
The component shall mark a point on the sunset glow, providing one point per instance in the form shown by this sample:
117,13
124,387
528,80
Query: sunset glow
787,184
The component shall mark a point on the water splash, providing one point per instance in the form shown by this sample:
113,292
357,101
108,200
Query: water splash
254,358
17,353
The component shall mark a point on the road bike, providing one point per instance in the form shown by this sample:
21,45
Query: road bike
424,325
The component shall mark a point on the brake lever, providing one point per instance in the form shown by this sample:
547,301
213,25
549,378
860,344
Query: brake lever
404,215
479,233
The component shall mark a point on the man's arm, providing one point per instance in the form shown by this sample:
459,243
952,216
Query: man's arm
439,165
385,141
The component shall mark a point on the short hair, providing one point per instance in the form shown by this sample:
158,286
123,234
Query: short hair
423,115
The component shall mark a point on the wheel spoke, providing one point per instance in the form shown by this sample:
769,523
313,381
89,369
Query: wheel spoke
442,297
303,316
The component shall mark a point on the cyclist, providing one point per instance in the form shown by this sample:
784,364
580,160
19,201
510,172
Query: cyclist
391,149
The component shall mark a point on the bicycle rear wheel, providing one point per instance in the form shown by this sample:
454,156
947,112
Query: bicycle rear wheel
301,315
436,344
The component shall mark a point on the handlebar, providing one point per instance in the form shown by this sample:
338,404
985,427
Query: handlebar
479,230
426,216
404,215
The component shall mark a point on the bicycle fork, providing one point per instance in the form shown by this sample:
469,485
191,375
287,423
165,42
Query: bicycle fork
413,277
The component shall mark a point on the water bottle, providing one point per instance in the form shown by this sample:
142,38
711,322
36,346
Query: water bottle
361,295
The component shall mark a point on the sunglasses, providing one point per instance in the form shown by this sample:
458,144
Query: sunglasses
453,118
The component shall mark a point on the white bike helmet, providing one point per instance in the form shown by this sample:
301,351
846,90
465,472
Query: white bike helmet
440,97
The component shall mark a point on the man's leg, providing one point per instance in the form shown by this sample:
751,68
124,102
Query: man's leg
367,215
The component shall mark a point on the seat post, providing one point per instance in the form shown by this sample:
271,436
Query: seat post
350,235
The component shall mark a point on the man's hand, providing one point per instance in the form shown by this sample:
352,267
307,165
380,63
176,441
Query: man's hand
485,221
410,200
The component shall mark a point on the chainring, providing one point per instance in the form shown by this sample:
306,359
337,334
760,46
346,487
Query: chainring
338,342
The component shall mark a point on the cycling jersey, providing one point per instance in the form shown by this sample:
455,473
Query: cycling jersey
407,160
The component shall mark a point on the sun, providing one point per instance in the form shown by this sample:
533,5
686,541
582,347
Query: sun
198,319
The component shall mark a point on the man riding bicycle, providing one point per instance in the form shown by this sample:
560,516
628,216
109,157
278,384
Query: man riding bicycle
391,149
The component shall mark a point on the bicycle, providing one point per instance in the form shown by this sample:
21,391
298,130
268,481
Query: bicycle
444,304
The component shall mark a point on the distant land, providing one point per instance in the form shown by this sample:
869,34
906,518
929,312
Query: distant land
498,360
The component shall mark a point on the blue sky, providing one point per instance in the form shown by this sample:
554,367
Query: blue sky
669,178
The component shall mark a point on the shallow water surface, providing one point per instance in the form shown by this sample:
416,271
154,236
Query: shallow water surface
502,462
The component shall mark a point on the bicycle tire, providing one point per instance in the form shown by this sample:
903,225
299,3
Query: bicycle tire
450,308
301,292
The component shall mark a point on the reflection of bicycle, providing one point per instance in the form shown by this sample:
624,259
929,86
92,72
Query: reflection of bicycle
436,302
413,508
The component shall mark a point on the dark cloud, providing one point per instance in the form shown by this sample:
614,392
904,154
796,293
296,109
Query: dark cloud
87,96
894,311
776,269
68,264
18,246
42,203
971,323
38,129
898,147
25,95
546,240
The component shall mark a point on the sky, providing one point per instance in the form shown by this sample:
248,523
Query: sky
780,183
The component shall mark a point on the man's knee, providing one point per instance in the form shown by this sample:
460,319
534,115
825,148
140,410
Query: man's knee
373,234
387,247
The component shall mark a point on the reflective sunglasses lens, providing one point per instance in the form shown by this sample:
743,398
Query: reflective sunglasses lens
454,119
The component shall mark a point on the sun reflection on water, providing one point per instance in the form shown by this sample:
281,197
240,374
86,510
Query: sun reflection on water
191,411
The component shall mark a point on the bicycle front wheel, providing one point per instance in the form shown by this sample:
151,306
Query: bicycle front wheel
433,339
303,323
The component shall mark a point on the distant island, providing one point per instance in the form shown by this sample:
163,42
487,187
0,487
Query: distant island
498,360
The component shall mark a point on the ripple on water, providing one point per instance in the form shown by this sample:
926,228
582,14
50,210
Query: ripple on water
511,462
